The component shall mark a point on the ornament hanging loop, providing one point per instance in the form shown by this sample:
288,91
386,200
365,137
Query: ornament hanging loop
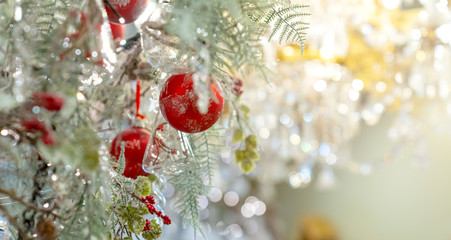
138,100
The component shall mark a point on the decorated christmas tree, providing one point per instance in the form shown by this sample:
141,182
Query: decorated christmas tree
94,125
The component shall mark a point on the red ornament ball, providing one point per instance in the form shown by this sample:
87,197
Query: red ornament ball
129,10
136,140
178,104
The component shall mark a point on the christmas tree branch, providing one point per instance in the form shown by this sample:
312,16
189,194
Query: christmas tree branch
14,222
12,194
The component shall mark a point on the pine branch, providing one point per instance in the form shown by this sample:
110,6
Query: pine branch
285,18
223,29
206,149
286,23
190,186
11,194
14,222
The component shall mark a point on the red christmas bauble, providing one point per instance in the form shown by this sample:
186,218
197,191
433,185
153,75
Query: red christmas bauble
136,140
129,10
118,31
178,104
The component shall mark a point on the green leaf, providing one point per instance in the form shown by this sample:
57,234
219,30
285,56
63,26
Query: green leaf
136,225
89,142
132,217
143,186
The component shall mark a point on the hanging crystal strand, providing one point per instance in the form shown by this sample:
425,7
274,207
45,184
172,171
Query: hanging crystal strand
186,145
6,12
16,68
105,44
183,141
150,162
170,148
159,48
159,186
202,81
109,46
152,165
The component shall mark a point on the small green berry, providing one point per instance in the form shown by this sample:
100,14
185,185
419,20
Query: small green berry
240,155
245,109
237,136
152,177
246,112
247,166
252,155
251,142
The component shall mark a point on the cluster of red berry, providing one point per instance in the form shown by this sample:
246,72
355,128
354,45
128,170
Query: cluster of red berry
52,103
150,201
49,101
148,226
237,84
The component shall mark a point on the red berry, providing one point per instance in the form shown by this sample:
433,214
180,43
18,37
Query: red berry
178,104
136,140
76,14
48,139
237,91
166,220
149,200
48,101
129,10
74,35
33,124
161,127
100,62
238,82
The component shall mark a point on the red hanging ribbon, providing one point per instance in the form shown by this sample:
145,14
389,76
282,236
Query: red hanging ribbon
138,99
